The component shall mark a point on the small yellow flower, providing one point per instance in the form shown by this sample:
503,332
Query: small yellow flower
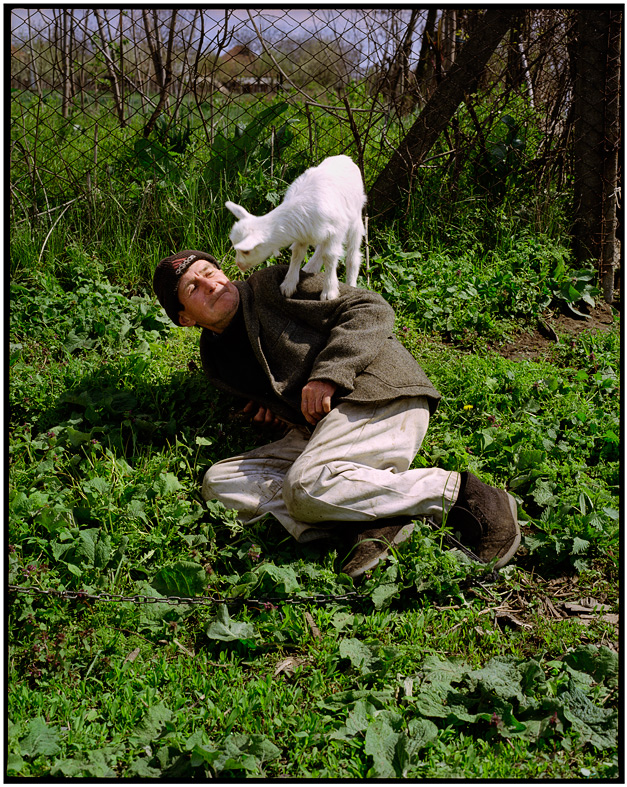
468,406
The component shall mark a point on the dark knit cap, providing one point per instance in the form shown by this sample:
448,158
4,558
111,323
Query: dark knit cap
168,275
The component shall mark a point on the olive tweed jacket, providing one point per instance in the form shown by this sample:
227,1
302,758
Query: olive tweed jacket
348,341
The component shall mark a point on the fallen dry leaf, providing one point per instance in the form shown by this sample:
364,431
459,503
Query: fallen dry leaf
507,617
132,655
586,606
312,625
183,648
287,666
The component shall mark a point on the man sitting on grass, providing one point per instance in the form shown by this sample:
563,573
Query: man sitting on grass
357,408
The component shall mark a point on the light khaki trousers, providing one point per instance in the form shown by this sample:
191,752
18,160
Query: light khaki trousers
355,467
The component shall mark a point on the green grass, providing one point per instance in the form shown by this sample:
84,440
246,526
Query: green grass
436,669
111,427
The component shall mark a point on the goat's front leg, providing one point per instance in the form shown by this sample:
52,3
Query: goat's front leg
290,282
315,263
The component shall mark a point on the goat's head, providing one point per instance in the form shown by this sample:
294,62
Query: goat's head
249,239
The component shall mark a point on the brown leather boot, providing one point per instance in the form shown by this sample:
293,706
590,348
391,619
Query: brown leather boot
484,519
371,543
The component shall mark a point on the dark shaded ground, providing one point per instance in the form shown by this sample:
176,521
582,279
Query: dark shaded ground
533,345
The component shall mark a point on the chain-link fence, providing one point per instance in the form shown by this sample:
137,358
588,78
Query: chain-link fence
497,104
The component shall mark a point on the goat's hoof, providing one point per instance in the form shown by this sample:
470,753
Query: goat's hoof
329,295
288,289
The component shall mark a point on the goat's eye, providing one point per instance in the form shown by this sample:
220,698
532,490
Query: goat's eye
245,252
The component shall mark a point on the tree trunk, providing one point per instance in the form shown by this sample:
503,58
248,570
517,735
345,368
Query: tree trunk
597,138
396,178
611,245
449,30
163,71
34,74
423,68
66,59
111,71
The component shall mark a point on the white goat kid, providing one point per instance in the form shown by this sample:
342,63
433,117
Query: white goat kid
321,208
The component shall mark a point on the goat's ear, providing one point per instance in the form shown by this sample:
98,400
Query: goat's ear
249,242
237,210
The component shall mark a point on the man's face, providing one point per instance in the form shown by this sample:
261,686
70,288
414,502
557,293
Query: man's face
208,297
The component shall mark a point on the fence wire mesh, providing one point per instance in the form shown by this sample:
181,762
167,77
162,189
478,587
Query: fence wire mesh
486,104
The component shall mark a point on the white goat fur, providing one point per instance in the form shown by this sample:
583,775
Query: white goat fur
321,208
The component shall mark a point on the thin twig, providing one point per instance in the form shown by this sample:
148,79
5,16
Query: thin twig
50,210
50,233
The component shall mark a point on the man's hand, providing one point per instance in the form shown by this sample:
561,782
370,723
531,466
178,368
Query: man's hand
262,415
315,401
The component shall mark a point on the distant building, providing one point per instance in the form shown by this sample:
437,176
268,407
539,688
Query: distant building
241,71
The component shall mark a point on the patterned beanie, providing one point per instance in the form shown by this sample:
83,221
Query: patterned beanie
168,275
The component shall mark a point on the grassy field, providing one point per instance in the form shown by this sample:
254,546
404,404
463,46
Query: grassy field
433,667
433,670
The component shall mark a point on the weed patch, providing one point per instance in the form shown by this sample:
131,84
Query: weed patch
433,669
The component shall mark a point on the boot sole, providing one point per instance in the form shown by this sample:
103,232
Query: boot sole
516,543
403,535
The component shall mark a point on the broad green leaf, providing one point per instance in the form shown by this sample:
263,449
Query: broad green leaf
86,545
135,509
357,722
282,575
383,594
40,739
152,724
14,763
359,654
420,732
431,702
166,484
500,677
59,549
444,671
93,764
579,545
227,630
543,493
345,699
530,459
597,726
102,550
184,578
142,770
261,747
203,754
509,121
77,438
96,487
380,744
244,752
598,661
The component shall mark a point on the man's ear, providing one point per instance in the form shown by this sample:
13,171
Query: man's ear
185,320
